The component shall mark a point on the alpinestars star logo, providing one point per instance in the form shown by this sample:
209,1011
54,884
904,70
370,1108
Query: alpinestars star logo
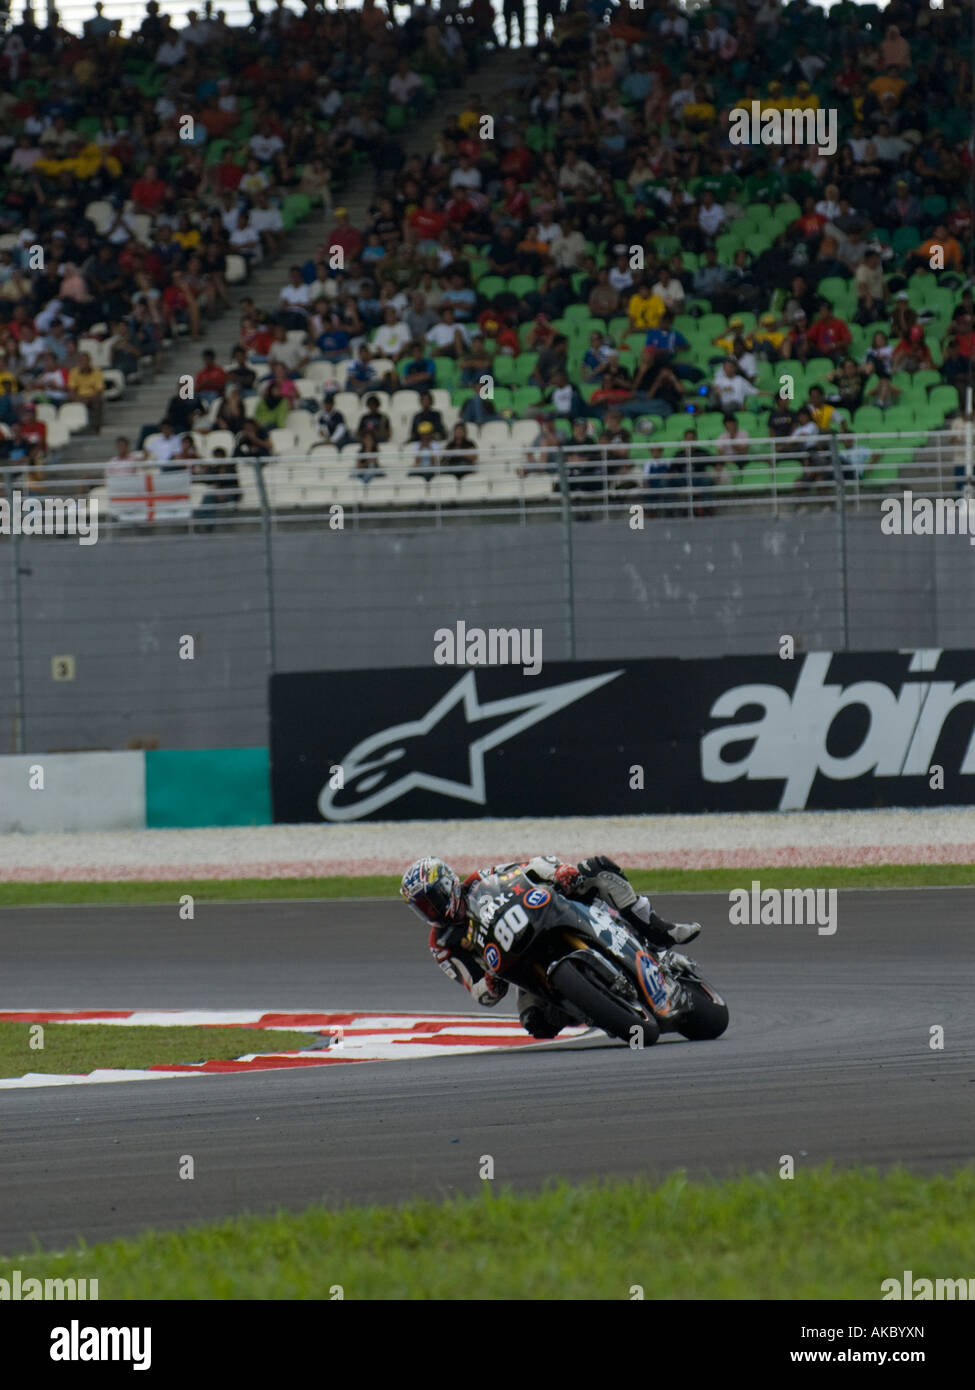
388,764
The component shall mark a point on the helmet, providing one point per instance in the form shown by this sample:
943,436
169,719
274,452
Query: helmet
432,890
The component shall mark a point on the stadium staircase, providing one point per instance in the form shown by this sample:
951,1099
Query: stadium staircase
145,403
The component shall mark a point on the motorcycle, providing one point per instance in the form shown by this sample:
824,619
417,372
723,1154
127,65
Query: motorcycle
587,961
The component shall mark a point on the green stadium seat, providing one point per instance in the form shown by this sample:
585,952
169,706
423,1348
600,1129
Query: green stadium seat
756,476
787,473
944,398
869,419
444,371
490,285
522,285
905,239
817,370
525,398
524,365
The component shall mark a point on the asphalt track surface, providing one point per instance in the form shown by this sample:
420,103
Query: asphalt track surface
827,1057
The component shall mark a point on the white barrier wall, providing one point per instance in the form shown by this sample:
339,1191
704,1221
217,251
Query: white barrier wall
72,791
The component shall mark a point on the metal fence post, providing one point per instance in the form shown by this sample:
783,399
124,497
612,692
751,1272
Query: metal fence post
20,704
839,483
567,560
272,654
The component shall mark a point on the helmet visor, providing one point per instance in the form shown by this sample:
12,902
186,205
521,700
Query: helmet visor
425,909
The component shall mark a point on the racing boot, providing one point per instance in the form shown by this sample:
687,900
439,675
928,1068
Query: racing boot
671,933
543,1020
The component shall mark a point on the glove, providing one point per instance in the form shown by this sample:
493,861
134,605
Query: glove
608,880
489,990
563,877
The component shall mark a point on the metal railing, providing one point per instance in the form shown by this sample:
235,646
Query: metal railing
501,480
250,549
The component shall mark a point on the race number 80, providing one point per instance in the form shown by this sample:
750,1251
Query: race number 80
511,926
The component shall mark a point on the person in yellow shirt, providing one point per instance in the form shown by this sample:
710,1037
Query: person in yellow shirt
805,98
776,99
889,81
822,412
726,341
767,333
645,309
87,385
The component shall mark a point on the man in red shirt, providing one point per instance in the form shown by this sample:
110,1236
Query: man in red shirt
211,379
828,334
33,429
345,235
427,221
254,338
518,162
149,192
811,223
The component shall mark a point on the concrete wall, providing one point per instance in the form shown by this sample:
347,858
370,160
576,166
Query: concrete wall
347,599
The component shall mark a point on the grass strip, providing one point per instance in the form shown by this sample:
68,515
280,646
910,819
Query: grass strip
133,894
79,1048
826,1233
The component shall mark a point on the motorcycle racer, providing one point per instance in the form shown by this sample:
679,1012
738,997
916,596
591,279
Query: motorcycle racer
436,894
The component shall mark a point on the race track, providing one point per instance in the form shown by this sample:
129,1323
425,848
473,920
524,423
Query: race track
827,1057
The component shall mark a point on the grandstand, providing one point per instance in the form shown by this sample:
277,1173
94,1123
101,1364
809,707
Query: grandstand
587,243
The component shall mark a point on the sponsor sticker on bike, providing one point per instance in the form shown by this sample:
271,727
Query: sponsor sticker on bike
538,897
492,957
652,983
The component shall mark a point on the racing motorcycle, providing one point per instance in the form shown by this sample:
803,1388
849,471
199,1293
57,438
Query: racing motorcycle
586,960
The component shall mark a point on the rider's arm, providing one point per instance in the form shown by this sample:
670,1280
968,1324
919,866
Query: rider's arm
462,965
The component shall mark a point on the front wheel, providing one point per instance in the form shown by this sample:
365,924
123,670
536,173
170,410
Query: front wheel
599,1006
706,1018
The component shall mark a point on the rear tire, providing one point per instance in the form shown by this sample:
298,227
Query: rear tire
707,1019
599,1006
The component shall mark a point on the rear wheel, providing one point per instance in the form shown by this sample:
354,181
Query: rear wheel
706,1019
599,1006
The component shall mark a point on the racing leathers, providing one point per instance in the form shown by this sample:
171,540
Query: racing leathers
453,946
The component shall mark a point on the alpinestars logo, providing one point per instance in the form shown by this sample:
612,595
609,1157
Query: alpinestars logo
791,740
388,764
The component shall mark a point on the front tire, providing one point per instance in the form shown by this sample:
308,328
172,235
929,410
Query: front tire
600,1007
707,1019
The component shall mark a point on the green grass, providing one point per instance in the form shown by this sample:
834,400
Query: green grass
387,885
78,1048
826,1234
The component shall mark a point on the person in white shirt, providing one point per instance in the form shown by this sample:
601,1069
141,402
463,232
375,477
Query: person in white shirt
164,446
731,389
264,147
392,336
296,296
171,51
670,290
577,175
547,231
829,206
447,336
466,175
621,276
710,215
404,83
